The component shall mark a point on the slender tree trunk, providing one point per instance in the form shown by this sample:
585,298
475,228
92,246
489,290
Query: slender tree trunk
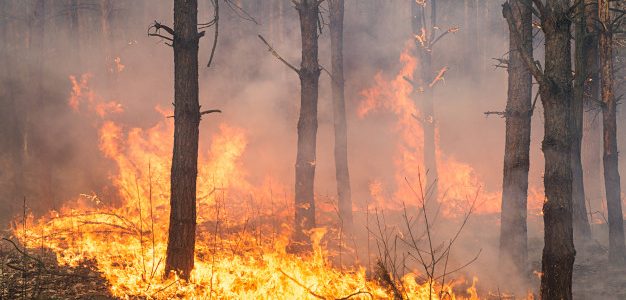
556,95
182,227
339,113
582,228
424,77
309,72
617,248
513,231
592,137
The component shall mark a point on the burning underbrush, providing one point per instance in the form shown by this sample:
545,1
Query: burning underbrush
244,227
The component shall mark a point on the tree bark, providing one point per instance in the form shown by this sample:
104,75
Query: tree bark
424,76
592,137
555,88
582,228
339,114
513,231
309,72
182,227
617,248
556,95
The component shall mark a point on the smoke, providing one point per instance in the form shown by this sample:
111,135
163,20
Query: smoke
255,91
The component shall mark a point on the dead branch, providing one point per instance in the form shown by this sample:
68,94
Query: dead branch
532,66
302,285
210,111
439,77
271,50
216,18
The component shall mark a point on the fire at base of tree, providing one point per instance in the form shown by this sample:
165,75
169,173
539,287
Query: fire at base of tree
418,149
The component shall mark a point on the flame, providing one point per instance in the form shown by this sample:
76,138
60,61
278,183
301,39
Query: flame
242,235
458,181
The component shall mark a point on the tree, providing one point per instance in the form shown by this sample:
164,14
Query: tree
555,89
617,248
182,226
339,113
425,80
518,114
309,73
582,228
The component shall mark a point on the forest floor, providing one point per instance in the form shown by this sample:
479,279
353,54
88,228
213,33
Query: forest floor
35,274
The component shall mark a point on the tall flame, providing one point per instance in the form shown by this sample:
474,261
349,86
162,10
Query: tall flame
241,240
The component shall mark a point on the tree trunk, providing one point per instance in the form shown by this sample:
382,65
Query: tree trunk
424,76
182,227
513,231
309,72
339,113
592,136
582,228
556,95
617,248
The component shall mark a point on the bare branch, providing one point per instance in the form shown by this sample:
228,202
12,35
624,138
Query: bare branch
530,64
271,50
216,18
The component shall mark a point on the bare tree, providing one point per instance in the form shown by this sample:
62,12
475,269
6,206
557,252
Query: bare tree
309,72
424,26
582,228
518,114
339,113
182,226
617,248
555,88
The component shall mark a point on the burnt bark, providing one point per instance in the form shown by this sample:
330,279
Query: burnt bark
556,95
182,227
555,89
424,77
309,72
592,136
582,228
617,248
513,230
339,113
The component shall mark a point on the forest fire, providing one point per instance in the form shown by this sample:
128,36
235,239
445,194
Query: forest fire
239,253
312,149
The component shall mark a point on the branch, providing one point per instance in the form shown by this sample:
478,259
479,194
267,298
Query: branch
302,285
271,50
439,77
210,111
158,26
216,6
453,29
530,64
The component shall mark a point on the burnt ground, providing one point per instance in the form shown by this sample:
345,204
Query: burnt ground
35,274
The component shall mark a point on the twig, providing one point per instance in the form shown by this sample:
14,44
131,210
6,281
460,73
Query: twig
271,50
216,19
302,285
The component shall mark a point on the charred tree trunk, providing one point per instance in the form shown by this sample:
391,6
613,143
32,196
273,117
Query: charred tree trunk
309,72
339,113
617,248
582,228
592,136
556,95
424,78
182,227
74,32
555,88
513,231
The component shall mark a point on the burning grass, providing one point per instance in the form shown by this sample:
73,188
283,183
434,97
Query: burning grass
243,230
